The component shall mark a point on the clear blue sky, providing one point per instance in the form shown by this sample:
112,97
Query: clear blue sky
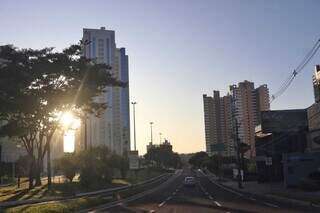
181,49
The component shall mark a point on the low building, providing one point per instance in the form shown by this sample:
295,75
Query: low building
166,145
297,167
314,128
281,132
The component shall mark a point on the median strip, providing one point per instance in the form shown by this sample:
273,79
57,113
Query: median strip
95,199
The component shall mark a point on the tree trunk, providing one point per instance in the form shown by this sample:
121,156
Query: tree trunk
31,173
49,165
30,178
38,173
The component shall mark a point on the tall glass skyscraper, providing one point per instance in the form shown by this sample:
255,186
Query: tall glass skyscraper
112,128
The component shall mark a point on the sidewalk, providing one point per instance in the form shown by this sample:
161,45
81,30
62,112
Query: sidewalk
275,191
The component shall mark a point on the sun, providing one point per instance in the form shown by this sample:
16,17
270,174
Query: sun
69,121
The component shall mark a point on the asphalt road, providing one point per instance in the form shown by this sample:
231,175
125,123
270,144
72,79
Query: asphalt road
206,196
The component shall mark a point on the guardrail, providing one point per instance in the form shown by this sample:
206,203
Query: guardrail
112,190
99,192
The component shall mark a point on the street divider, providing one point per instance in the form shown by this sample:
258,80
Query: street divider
116,189
134,195
104,192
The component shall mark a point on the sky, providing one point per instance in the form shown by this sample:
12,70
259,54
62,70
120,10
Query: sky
181,49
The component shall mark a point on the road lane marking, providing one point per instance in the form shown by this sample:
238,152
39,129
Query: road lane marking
272,205
210,197
169,198
251,198
161,204
174,193
217,203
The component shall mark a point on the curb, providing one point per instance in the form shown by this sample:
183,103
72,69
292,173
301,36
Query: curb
275,198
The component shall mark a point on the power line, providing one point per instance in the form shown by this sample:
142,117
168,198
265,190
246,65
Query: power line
284,86
309,55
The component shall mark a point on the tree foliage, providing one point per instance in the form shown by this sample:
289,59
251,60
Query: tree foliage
68,165
96,166
199,159
37,85
162,156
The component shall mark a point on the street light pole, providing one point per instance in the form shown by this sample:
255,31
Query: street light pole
134,125
85,132
151,132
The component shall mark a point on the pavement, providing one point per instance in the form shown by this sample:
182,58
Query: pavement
206,196
275,191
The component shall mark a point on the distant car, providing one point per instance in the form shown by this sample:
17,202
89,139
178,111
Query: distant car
189,181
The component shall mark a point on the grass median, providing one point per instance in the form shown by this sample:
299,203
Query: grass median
72,205
60,206
60,188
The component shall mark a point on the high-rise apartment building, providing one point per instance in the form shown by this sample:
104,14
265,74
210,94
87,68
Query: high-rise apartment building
262,100
243,103
249,102
316,83
227,125
112,128
209,123
218,124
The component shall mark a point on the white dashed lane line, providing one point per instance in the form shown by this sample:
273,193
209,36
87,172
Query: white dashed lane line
217,203
161,204
168,198
272,205
208,195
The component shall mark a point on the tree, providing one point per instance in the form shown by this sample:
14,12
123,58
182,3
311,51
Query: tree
121,163
96,166
68,165
36,86
198,159
163,157
175,161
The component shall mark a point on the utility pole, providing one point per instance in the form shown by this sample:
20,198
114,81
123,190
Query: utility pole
85,132
151,123
237,142
134,125
160,137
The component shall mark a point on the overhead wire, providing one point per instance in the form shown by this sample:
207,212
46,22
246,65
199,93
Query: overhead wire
284,86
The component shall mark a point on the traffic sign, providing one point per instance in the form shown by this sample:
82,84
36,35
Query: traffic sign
133,160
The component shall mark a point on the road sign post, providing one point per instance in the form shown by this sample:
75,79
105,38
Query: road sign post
133,160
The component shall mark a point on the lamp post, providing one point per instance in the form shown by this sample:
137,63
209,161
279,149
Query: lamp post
151,123
134,125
